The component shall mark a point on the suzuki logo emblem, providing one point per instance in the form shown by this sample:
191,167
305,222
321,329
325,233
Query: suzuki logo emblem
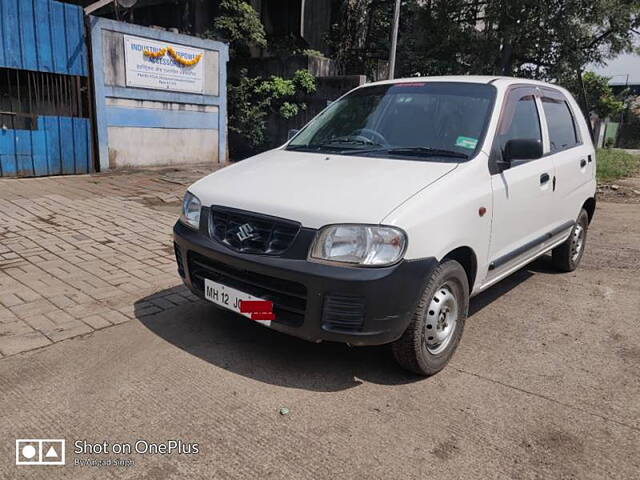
245,232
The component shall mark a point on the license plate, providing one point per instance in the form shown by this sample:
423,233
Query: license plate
229,298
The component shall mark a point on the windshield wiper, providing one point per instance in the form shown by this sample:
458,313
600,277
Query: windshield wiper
336,144
312,147
416,151
350,141
356,140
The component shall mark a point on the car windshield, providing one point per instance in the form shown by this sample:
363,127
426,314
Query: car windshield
440,121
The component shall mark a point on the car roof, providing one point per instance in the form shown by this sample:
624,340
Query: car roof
487,79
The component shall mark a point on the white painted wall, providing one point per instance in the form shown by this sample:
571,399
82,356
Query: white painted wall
139,147
142,127
166,106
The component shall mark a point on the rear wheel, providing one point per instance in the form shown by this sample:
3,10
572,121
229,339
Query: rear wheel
438,322
567,256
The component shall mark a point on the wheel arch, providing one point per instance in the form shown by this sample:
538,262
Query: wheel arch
466,257
590,206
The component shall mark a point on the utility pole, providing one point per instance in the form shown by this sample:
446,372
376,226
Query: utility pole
394,41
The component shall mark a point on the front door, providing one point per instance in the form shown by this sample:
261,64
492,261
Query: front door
523,193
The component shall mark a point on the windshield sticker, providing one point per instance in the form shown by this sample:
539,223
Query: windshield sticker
467,142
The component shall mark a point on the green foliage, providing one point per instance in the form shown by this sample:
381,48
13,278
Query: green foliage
252,100
304,81
361,36
309,52
289,110
600,98
284,46
240,25
275,88
247,118
613,164
529,38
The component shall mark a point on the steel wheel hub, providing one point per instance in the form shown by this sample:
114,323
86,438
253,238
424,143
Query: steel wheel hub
441,320
577,242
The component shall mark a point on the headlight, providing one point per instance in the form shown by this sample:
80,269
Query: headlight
191,211
359,245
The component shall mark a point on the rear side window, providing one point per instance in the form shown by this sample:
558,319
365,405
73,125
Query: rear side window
562,127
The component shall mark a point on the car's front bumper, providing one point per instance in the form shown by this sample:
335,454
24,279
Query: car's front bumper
314,301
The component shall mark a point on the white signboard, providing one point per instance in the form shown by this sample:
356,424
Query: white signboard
163,71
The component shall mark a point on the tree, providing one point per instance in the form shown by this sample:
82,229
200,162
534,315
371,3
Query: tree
239,24
557,38
361,36
551,39
599,95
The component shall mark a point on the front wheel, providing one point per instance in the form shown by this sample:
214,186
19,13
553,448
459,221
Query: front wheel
437,324
566,257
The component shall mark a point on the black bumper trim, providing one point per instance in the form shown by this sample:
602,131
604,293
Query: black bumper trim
389,294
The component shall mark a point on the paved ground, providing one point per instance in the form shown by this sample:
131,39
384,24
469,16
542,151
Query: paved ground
77,252
545,384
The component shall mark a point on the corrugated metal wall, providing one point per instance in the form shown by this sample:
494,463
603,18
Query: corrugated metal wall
43,36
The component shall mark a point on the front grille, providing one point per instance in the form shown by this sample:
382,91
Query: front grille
289,298
343,313
252,233
176,248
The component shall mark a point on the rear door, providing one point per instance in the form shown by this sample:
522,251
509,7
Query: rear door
522,194
572,156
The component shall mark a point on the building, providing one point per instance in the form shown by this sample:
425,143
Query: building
80,94
300,23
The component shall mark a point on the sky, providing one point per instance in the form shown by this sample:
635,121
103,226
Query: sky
619,67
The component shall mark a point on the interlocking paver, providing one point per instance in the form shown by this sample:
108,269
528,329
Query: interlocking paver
67,330
96,321
10,300
6,315
80,253
22,342
36,307
14,328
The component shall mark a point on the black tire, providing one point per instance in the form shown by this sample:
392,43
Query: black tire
565,257
411,350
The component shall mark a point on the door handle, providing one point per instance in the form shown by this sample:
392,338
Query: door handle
583,163
544,178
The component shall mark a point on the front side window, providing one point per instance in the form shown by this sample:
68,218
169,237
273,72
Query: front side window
442,121
519,119
562,129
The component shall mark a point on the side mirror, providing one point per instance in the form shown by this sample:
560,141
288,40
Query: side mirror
522,149
292,133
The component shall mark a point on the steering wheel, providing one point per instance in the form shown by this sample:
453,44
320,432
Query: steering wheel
370,134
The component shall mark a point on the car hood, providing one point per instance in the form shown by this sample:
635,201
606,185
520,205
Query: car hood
318,189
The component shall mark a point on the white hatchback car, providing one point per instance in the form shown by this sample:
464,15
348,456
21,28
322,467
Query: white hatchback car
380,219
